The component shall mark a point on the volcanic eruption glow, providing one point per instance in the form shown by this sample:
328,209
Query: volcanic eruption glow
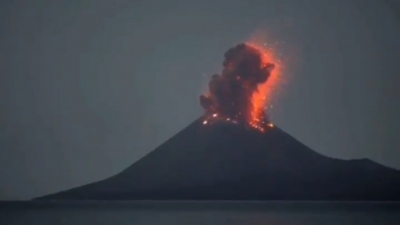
240,93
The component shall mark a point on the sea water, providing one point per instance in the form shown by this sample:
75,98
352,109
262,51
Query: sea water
196,213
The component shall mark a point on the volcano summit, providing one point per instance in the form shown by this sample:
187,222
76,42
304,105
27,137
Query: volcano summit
233,152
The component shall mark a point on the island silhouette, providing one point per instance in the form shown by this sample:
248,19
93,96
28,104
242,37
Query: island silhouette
233,152
226,161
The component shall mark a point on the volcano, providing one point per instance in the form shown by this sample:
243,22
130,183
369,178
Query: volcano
233,152
226,161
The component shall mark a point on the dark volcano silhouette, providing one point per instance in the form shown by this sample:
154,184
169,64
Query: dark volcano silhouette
224,161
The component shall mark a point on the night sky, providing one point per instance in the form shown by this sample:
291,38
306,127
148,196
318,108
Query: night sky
89,87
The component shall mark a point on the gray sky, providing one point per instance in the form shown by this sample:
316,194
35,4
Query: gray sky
89,87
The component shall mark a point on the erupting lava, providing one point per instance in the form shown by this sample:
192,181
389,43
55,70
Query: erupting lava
239,94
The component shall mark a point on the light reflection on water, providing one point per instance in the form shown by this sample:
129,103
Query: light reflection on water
188,215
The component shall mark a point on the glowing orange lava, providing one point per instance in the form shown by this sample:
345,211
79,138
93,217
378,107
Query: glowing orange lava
265,91
256,113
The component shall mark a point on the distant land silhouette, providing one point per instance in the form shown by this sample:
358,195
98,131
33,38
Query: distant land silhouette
224,161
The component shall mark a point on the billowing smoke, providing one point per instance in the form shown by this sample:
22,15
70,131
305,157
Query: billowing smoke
230,93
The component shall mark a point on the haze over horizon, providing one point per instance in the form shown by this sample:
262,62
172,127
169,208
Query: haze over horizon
91,87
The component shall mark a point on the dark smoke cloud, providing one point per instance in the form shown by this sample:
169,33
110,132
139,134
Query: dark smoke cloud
230,92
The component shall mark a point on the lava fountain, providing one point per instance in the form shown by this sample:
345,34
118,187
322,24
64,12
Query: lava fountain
244,88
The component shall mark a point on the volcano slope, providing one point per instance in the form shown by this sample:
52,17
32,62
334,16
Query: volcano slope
224,161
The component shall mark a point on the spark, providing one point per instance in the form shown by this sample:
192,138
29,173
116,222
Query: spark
205,122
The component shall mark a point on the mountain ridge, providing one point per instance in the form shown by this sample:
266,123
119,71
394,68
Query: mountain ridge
224,161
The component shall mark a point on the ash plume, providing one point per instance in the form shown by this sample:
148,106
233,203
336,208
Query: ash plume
230,93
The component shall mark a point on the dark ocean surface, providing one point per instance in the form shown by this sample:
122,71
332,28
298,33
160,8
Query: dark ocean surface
207,213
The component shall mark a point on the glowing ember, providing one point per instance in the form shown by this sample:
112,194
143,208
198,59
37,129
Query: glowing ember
240,93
